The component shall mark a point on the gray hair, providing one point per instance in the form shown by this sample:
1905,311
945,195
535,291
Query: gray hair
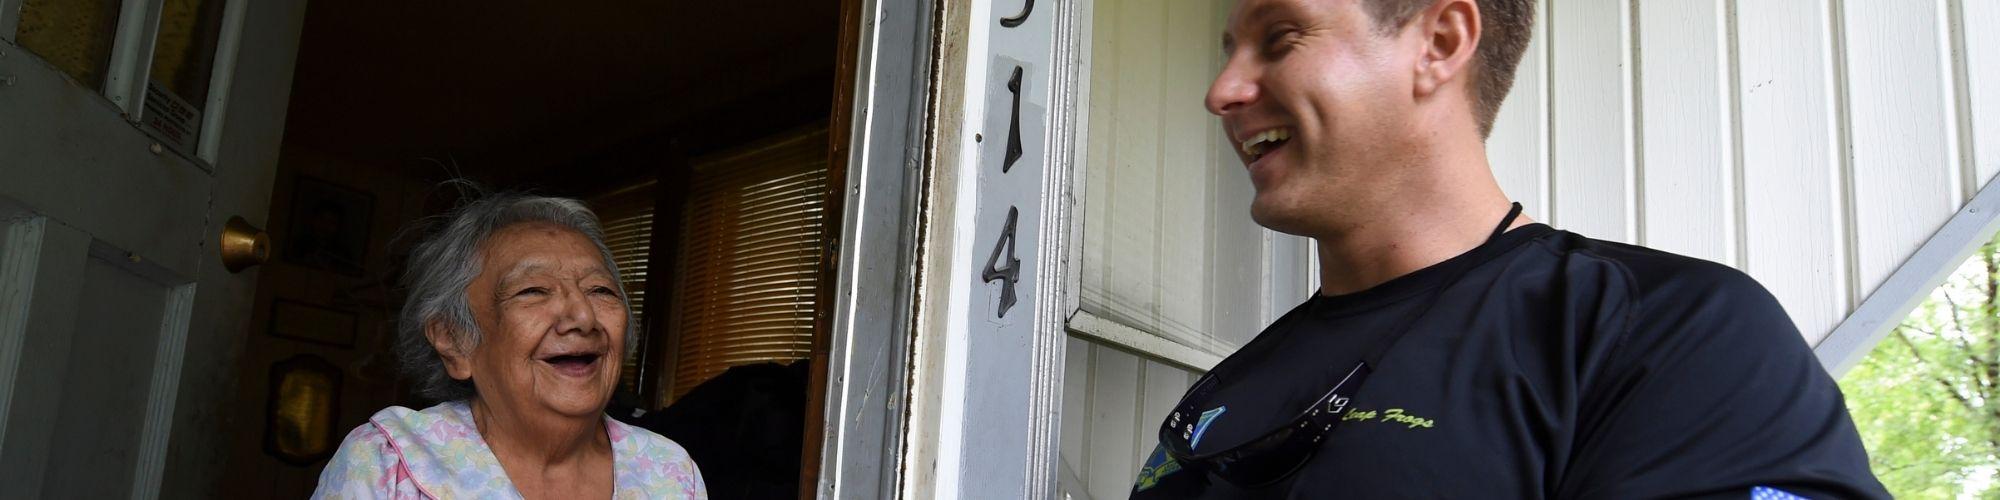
443,264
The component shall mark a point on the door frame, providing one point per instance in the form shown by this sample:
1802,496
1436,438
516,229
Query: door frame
864,368
986,388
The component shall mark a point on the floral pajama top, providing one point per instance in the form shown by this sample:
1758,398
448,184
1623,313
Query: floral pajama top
438,453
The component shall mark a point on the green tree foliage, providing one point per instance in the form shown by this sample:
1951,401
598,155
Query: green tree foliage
1924,399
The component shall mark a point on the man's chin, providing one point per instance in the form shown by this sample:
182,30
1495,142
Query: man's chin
1280,217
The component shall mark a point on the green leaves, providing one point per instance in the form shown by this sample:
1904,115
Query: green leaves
1925,398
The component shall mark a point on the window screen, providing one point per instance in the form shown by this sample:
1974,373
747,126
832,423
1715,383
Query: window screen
73,35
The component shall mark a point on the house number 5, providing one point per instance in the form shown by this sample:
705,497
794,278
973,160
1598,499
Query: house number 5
1019,18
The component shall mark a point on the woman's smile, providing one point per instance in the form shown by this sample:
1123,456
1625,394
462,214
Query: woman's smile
577,365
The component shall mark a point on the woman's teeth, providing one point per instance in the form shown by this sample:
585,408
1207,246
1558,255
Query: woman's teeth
1264,141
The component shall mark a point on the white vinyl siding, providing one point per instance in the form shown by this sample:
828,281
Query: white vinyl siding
1113,401
1812,144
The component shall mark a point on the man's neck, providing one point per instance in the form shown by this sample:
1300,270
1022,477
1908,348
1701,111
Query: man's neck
1429,222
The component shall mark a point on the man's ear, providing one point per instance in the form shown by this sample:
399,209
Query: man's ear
457,363
1451,31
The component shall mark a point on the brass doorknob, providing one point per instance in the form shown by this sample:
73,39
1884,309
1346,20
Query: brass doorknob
243,245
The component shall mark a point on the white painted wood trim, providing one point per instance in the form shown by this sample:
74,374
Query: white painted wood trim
1078,157
151,461
1112,333
1057,249
227,47
20,258
132,56
1071,487
1973,225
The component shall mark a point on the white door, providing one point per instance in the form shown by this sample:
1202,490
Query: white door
131,132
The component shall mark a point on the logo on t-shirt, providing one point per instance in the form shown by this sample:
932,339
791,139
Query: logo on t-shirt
1207,417
1157,467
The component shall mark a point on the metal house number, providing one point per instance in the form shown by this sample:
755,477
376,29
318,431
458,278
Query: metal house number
1011,272
1017,19
1013,122
1008,273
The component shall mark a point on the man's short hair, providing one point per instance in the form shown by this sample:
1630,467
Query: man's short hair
1505,26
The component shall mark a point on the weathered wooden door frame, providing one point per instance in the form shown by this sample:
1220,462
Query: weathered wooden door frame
887,68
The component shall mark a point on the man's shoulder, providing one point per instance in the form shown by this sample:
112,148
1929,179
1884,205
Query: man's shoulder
1655,276
1672,303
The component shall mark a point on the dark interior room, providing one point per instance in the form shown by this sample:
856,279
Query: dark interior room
698,131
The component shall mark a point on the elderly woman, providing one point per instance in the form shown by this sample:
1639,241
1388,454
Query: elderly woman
516,320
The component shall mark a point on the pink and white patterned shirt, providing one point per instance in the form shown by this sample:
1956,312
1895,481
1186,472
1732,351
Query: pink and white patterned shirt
438,453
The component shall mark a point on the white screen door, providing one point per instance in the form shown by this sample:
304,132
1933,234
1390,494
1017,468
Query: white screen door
118,322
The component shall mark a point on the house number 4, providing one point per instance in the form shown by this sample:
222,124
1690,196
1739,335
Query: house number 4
1012,272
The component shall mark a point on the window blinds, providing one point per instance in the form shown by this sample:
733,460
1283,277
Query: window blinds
752,242
626,216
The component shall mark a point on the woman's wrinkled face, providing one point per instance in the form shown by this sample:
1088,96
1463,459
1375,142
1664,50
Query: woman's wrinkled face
553,323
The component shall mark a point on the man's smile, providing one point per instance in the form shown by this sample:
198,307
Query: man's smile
1261,143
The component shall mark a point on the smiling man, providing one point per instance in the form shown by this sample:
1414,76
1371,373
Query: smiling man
1456,349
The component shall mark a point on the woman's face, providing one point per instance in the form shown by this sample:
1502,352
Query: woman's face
553,322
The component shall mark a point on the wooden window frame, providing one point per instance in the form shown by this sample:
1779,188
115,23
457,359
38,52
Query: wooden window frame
670,198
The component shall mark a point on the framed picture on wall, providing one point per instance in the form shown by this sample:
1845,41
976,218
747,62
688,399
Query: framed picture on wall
299,413
329,229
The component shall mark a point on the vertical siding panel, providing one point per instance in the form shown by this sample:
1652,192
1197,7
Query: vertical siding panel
1904,157
1076,406
1981,86
1791,213
1688,198
1114,408
1592,177
1515,148
1164,385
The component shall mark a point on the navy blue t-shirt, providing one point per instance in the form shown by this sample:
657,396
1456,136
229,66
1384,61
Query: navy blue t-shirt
1549,365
